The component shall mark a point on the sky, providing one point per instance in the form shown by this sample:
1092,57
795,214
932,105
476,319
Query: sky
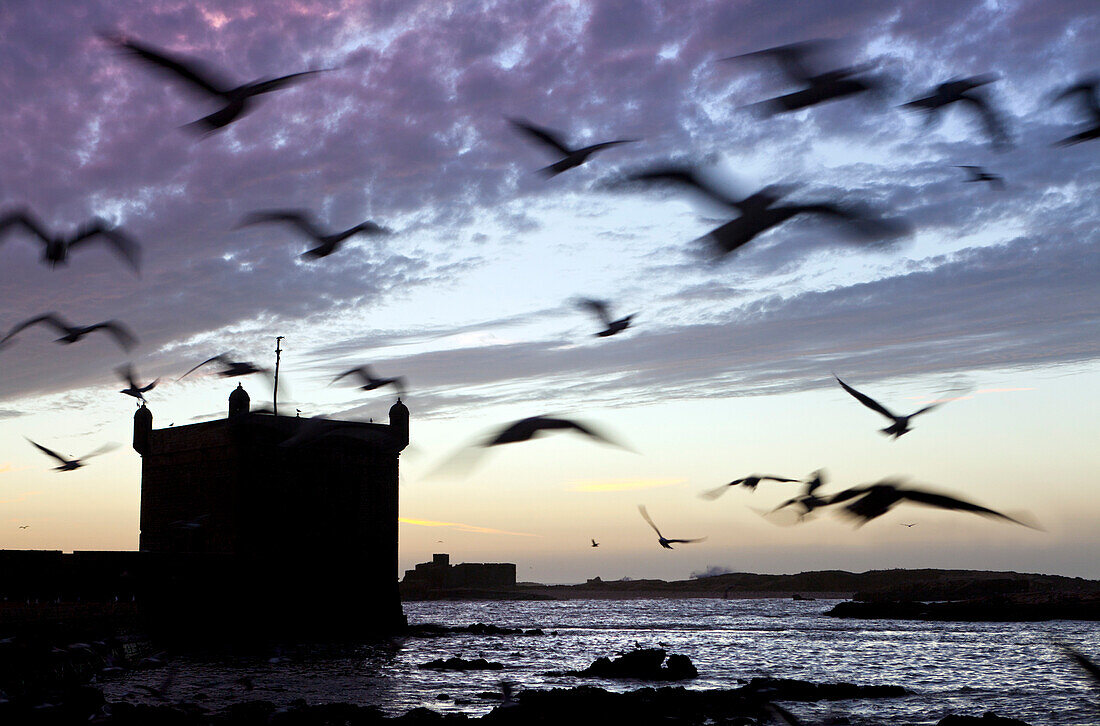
992,301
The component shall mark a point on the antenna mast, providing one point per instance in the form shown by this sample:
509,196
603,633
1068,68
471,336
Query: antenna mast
275,393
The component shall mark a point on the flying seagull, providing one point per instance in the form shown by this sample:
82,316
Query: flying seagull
134,388
573,157
817,87
1086,90
304,222
978,174
875,500
595,543
965,91
236,100
24,526
903,524
73,333
760,212
661,539
230,367
749,482
600,308
56,247
371,382
900,424
72,464
530,428
807,501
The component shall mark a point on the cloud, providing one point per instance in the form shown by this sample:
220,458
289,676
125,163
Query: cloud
462,527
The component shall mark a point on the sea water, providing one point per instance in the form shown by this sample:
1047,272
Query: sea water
1014,669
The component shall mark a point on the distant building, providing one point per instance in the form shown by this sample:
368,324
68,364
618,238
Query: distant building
274,521
440,574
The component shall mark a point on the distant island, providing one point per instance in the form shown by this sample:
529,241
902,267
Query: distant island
925,594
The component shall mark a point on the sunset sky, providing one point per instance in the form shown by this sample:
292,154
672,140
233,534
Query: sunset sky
994,300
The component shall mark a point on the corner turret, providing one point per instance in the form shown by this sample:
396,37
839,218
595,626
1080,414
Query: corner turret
238,401
143,426
399,423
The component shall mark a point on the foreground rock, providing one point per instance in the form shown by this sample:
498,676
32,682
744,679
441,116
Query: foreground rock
673,706
642,665
457,664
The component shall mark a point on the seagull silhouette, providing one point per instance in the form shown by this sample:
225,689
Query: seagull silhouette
1086,91
573,157
371,382
818,87
24,526
237,100
661,539
760,212
901,423
73,333
978,174
874,500
72,464
530,428
305,223
230,368
134,388
965,91
903,524
57,247
749,482
600,308
807,501
595,543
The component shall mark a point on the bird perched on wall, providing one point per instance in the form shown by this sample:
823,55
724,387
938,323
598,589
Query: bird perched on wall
56,248
818,87
72,464
978,174
749,482
1086,91
236,100
573,157
603,312
134,388
900,424
371,382
661,539
72,333
230,367
760,212
875,500
305,223
964,91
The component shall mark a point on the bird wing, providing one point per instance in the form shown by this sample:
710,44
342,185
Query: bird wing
684,176
994,126
566,423
221,358
777,478
120,332
925,409
300,218
603,145
1087,92
593,543
599,307
28,220
685,541
126,372
1092,668
125,245
274,84
717,491
49,452
866,400
791,58
50,318
848,494
975,171
546,136
190,70
369,227
944,501
645,516
101,450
